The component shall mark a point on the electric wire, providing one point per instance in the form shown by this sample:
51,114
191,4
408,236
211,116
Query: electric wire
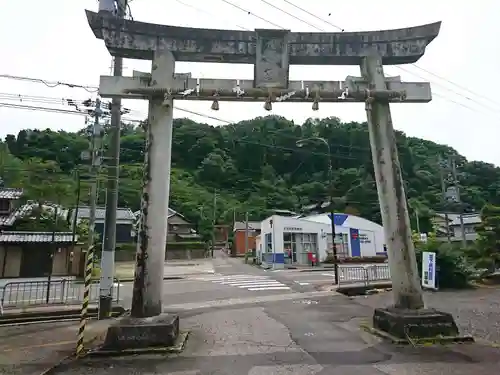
413,64
252,14
75,102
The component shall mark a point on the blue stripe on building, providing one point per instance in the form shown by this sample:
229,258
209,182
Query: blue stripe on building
355,242
279,258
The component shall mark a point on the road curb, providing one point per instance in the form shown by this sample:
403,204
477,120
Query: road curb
131,279
326,269
52,315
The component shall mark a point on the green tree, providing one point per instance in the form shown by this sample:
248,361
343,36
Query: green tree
486,252
254,165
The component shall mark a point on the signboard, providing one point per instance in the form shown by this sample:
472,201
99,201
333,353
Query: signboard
429,270
363,238
292,229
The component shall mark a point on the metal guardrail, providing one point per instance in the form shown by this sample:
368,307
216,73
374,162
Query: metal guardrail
22,294
365,275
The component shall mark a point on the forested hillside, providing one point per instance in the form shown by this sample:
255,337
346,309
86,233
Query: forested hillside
254,165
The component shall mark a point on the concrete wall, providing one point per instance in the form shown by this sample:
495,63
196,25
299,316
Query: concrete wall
184,254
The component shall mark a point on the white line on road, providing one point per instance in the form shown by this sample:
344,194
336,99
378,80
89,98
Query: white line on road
249,282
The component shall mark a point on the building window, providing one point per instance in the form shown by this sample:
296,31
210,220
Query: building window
269,242
289,247
307,243
4,206
341,243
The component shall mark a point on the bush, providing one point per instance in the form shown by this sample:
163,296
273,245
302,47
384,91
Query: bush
453,269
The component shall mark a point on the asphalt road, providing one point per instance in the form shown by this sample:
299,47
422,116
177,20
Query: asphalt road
246,321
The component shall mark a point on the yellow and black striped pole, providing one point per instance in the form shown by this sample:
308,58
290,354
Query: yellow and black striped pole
85,304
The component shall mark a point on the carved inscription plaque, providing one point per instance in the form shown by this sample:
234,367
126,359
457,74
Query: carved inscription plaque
271,60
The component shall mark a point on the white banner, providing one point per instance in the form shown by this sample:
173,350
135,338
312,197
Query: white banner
429,270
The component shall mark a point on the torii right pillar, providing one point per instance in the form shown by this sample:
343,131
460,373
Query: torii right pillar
407,319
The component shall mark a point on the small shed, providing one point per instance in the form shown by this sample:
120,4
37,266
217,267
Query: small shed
38,254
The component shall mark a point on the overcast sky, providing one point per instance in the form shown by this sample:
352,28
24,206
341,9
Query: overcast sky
51,40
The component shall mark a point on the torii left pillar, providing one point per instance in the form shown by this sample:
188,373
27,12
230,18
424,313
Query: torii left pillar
147,326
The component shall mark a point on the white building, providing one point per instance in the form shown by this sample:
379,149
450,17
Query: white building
290,239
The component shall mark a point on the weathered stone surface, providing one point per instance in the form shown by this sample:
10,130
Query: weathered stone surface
141,333
416,324
138,40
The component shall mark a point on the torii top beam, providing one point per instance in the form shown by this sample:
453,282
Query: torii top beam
139,40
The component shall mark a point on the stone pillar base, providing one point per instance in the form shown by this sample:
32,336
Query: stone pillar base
416,325
142,333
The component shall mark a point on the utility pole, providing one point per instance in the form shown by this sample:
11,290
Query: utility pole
52,253
95,161
213,221
458,200
444,200
74,224
113,173
246,237
329,167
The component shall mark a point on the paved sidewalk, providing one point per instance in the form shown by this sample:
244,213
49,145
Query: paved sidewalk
34,348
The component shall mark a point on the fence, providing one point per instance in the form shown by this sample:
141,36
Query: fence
21,294
365,275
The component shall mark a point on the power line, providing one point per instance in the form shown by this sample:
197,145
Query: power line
313,15
252,14
51,84
337,27
76,102
208,13
413,64
53,110
288,13
39,80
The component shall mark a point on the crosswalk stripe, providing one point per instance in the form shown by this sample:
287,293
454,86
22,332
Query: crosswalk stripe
269,283
249,282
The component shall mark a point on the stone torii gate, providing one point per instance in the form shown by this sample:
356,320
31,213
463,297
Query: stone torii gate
271,52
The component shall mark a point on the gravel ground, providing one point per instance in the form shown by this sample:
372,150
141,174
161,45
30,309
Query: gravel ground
477,312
